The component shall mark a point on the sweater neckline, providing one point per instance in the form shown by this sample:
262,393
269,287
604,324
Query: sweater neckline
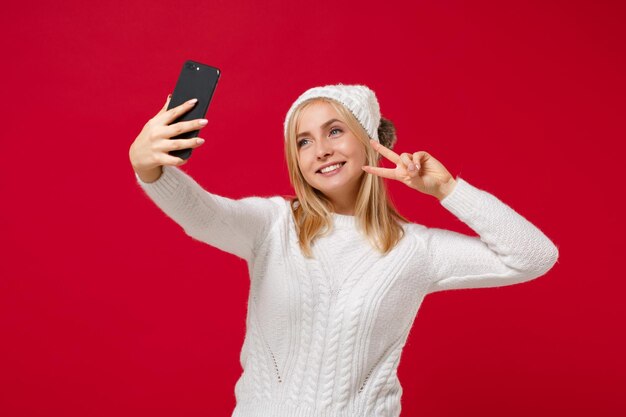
344,220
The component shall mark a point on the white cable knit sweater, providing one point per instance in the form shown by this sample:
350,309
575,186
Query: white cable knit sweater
324,336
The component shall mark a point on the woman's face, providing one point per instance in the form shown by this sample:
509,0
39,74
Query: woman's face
324,139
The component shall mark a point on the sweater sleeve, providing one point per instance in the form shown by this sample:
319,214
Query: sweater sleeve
508,250
234,226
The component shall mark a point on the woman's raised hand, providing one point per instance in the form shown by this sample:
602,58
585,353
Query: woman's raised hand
150,149
419,171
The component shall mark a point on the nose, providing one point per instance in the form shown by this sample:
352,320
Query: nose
324,149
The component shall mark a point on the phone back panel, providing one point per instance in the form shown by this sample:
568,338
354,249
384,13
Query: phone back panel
199,81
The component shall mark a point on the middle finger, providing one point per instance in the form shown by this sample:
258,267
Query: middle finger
181,127
386,152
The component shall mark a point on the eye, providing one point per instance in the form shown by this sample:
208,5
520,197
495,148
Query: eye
300,143
335,128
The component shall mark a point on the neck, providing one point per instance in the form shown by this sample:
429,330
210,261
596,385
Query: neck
344,207
344,202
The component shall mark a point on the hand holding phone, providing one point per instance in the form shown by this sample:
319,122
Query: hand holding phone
199,81
152,147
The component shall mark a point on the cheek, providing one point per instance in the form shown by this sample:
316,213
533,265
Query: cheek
306,161
359,155
353,148
305,168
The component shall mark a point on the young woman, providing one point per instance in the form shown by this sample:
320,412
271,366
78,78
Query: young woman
337,274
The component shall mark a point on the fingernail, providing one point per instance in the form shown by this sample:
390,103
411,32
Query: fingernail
200,141
192,101
411,167
203,122
169,96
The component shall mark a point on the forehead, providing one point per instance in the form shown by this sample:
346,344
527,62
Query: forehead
315,115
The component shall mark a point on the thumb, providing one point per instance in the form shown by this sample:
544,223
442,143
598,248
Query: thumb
167,102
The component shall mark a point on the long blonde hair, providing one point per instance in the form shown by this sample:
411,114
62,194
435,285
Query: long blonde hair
375,214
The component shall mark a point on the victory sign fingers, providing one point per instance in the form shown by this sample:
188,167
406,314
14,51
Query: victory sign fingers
407,163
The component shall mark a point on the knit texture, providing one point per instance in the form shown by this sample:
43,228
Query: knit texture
359,99
324,336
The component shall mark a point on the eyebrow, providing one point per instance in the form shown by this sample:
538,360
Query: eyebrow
324,126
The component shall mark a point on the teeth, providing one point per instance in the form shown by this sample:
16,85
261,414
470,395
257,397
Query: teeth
331,168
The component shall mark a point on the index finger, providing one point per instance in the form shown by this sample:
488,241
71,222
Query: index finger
168,116
386,152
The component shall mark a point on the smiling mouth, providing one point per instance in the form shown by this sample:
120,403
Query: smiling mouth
319,171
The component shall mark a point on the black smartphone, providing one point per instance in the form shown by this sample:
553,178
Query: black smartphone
196,80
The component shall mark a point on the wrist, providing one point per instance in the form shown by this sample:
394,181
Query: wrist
445,189
150,175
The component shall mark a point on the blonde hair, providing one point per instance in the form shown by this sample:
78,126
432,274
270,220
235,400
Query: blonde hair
375,214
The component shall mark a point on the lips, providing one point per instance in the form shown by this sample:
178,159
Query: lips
319,171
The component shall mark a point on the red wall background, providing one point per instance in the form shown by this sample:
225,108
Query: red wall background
108,309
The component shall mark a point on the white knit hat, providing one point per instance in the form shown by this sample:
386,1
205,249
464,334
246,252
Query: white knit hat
359,99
